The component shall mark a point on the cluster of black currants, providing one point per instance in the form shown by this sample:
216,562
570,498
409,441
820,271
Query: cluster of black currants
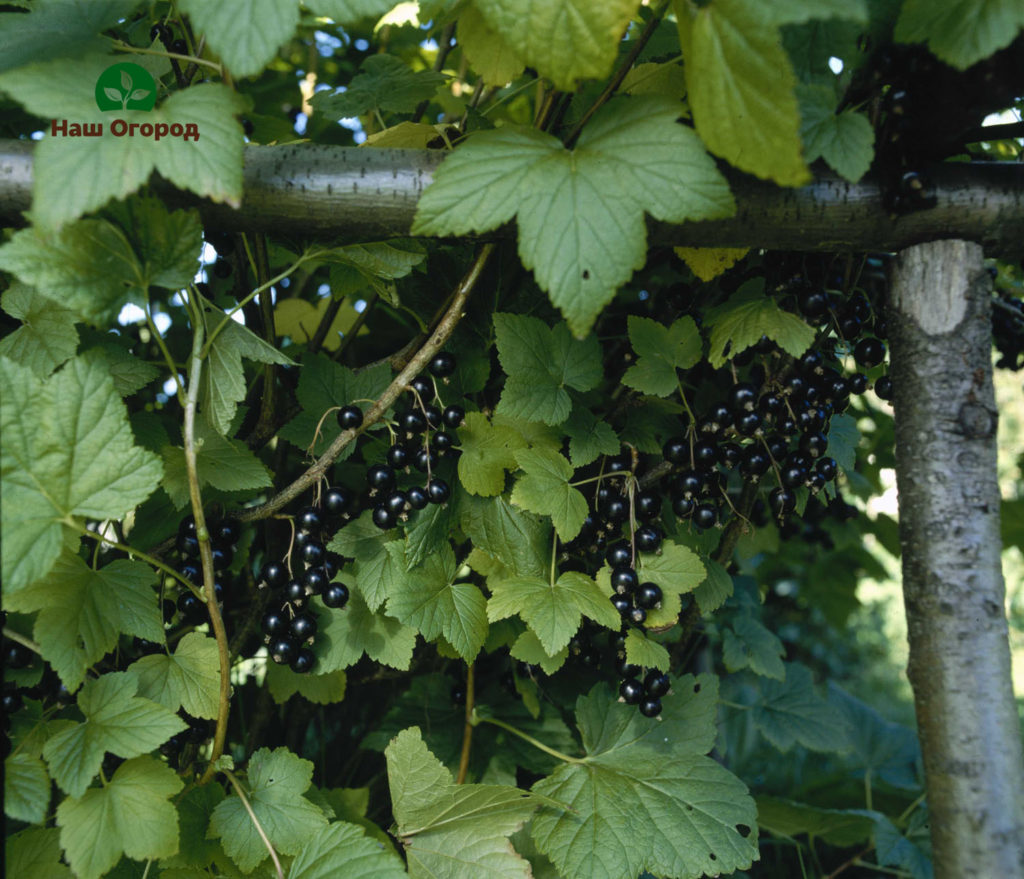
289,629
423,433
1008,330
224,534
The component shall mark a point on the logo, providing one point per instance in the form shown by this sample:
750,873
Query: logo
125,86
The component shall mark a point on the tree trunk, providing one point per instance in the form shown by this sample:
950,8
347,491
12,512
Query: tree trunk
952,580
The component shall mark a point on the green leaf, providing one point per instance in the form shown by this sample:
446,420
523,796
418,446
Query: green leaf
893,848
745,318
32,727
843,439
189,678
544,489
26,789
715,589
486,49
581,211
128,373
380,575
277,780
589,437
645,797
552,610
360,539
429,529
323,688
245,33
47,336
72,174
323,384
676,569
791,712
129,815
343,849
434,605
566,40
840,827
223,386
541,362
68,451
449,831
528,648
661,351
167,243
642,651
960,32
224,464
351,11
519,540
845,140
384,83
374,264
116,720
82,611
487,452
356,630
750,645
58,29
35,854
194,810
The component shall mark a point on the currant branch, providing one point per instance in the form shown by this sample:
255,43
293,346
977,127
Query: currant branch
416,364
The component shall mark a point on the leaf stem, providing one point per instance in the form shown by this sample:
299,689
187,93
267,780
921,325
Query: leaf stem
179,390
558,755
467,733
22,640
205,549
255,821
620,74
372,415
192,59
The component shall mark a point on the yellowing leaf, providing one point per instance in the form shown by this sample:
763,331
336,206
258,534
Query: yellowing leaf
487,50
405,135
710,262
299,320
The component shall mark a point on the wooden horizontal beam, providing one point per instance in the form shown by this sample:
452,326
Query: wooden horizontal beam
351,193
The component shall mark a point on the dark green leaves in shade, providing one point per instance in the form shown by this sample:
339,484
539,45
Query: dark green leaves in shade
845,140
343,849
47,336
581,211
542,363
746,317
646,797
68,451
450,831
384,83
791,712
660,352
276,781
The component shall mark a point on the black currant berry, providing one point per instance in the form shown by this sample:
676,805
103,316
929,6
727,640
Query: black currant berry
705,515
12,702
227,531
650,707
442,365
624,579
336,500
380,477
398,456
647,505
396,502
814,444
657,683
442,441
350,417
438,491
454,416
282,650
621,603
309,519
637,615
631,691
793,476
619,553
869,352
417,497
383,518
313,553
857,383
883,388
649,596
748,424
677,450
813,303
424,460
315,580
615,510
433,415
188,545
626,669
781,501
192,608
742,398
303,661
336,595
827,467
423,386
411,421
222,557
648,538
302,627
683,506
705,454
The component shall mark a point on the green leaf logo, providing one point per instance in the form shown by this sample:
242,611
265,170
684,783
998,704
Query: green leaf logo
125,86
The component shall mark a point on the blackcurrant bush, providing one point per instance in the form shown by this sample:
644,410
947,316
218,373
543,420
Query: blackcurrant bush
624,579
302,627
649,596
657,683
380,477
631,691
303,661
417,497
650,707
336,500
438,491
648,538
309,519
336,595
442,365
454,416
350,417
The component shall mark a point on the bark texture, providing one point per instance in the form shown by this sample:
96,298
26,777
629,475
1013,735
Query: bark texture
952,580
327,192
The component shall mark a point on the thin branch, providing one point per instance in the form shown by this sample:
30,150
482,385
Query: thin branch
255,821
132,551
558,755
25,642
205,548
620,74
413,368
357,324
444,46
467,733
